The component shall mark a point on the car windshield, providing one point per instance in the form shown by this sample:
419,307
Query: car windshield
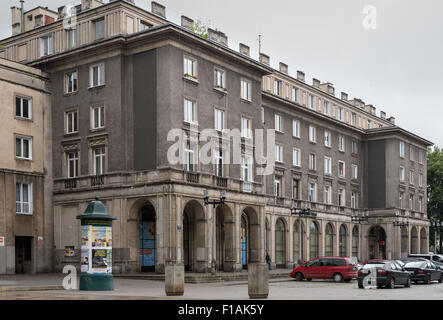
438,259
351,262
373,265
415,264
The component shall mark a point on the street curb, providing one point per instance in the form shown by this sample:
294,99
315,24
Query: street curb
29,288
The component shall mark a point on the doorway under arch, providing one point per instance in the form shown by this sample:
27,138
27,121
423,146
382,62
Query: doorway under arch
194,237
280,244
414,240
148,238
342,241
329,240
377,243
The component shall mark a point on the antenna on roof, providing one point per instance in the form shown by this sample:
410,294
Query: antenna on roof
259,44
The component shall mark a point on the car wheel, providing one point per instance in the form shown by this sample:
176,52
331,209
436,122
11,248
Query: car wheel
391,284
309,279
298,276
338,277
415,281
408,282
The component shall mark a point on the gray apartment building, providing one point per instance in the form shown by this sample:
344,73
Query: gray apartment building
122,78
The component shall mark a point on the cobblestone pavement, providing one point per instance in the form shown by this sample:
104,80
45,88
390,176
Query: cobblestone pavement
284,289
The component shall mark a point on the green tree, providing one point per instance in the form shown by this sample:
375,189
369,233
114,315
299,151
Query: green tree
435,187
200,29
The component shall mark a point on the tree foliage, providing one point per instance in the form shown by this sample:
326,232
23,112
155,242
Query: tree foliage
435,183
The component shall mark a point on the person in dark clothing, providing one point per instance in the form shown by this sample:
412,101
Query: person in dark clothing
268,260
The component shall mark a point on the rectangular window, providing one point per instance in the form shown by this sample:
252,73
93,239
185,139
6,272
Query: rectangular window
341,143
99,27
354,171
277,186
23,107
189,111
402,149
71,82
328,165
45,46
420,157
312,192
327,138
296,128
341,169
402,173
99,161
190,68
401,200
328,198
311,102
278,153
411,202
295,95
277,87
97,75
354,198
71,122
341,197
246,130
420,180
98,117
71,38
312,134
189,158
144,26
296,157
354,147
219,79
219,172
278,123
354,119
295,189
326,108
411,177
246,168
23,148
341,114
312,162
369,124
420,204
246,90
72,164
411,153
263,116
23,198
219,119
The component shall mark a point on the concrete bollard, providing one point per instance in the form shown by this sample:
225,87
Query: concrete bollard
258,280
174,279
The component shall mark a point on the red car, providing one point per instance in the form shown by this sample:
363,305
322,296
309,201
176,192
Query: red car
337,268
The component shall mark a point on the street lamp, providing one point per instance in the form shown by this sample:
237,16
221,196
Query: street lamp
359,217
214,222
400,222
437,226
305,212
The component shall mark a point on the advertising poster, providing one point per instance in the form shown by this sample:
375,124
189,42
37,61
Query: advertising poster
84,266
96,249
85,236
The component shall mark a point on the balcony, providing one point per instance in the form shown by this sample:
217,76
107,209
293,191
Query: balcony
98,180
247,186
221,182
192,177
70,183
279,201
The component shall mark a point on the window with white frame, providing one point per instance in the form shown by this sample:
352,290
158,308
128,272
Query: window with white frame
97,117
341,197
99,161
354,198
23,198
328,165
23,107
71,82
189,111
277,87
296,156
278,153
189,157
219,78
277,186
71,122
354,171
71,38
420,204
278,123
311,101
369,123
326,108
420,157
46,46
295,189
411,202
97,75
23,148
401,197
246,90
411,177
296,128
190,67
312,161
420,180
341,143
312,192
402,173
219,169
328,196
312,134
327,138
246,168
72,161
354,119
341,114
144,25
341,169
295,95
246,130
402,149
99,28
219,119
411,153
354,147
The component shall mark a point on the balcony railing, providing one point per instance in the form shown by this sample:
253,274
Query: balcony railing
192,177
70,183
97,180
279,201
221,182
247,186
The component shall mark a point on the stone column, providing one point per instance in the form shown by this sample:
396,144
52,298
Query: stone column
290,242
272,241
349,240
258,280
321,238
390,245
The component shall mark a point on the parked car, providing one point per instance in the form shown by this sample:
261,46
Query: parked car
374,261
337,268
400,263
437,259
389,274
424,271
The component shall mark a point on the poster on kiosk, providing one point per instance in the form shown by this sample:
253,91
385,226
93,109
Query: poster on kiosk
96,255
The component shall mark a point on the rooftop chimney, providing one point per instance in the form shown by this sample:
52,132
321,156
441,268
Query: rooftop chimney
264,59
371,109
244,49
16,18
158,9
315,83
344,96
218,37
300,75
188,23
328,88
391,120
382,114
283,67
90,4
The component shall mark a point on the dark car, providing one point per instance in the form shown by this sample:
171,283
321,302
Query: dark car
337,268
375,261
424,271
389,274
437,259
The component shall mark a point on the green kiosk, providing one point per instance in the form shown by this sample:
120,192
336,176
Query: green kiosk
96,248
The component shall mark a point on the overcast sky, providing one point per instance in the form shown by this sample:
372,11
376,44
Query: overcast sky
397,67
